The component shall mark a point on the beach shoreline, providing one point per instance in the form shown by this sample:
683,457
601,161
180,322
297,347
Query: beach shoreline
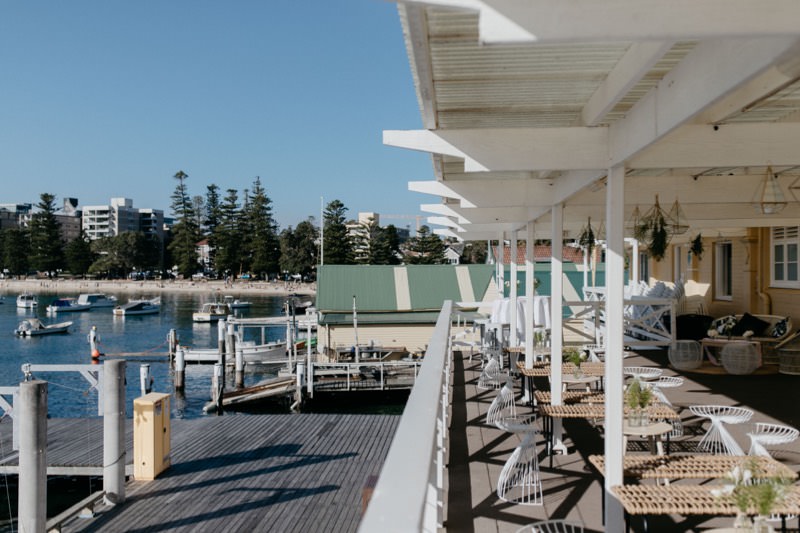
154,287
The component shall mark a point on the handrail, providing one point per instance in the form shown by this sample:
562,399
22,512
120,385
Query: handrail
408,495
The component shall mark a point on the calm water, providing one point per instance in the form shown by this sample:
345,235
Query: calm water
69,394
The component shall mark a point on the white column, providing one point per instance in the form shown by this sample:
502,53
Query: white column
615,265
500,266
556,298
530,271
634,262
512,293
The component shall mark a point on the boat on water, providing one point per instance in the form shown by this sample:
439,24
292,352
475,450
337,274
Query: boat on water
32,327
139,307
236,303
211,312
27,300
268,353
97,299
67,305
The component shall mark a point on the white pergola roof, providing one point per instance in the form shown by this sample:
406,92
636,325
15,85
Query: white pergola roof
528,103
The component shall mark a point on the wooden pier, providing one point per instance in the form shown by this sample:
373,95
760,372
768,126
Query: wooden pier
296,472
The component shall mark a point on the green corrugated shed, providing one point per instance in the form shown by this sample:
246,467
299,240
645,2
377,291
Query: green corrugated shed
376,290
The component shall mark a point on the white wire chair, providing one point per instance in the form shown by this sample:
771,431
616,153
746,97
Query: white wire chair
519,480
740,358
492,377
765,434
552,526
664,382
642,372
717,439
685,355
503,405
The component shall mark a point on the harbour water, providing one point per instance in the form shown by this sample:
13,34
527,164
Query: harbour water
70,395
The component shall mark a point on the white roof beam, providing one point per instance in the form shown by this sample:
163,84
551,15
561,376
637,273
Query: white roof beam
629,70
490,193
419,56
731,145
479,215
511,149
709,72
546,21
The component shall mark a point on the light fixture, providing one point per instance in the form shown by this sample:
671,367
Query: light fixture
769,198
677,220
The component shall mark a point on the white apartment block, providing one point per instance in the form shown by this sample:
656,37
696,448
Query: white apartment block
120,216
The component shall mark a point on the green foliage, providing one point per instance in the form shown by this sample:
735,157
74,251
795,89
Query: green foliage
572,355
586,239
16,248
299,250
185,232
475,253
751,492
653,230
424,249
264,246
78,255
375,245
638,396
47,252
338,248
697,246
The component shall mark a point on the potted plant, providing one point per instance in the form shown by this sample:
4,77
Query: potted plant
697,246
753,494
572,355
638,397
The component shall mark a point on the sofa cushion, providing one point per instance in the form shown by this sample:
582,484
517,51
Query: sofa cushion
749,322
779,329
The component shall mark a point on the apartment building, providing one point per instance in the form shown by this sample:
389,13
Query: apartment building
120,216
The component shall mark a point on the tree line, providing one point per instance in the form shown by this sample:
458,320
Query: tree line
239,230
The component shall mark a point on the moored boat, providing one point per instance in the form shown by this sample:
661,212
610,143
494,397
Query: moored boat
236,303
97,299
211,312
32,327
27,300
67,305
269,353
139,307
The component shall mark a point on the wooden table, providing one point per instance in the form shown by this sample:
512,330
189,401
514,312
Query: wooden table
571,396
645,500
654,433
698,466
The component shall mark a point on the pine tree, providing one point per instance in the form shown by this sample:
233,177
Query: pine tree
265,245
47,248
78,255
16,249
338,248
299,249
226,235
186,233
425,249
213,215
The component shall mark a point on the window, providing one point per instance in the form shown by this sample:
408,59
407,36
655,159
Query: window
785,241
723,271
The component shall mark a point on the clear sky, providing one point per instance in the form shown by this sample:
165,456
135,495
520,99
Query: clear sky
110,98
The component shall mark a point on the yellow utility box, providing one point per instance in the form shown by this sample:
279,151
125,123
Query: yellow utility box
151,435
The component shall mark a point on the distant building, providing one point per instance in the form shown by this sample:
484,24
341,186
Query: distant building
70,219
119,217
15,215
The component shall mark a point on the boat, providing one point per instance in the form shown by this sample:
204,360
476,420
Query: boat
254,393
67,305
27,300
139,307
211,312
236,303
32,327
269,353
97,299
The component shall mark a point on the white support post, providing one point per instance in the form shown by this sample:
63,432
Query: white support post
635,275
557,319
114,454
530,292
32,505
512,296
615,270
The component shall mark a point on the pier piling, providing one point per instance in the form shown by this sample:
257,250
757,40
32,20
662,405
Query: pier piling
218,385
32,506
144,378
221,329
114,453
239,376
180,367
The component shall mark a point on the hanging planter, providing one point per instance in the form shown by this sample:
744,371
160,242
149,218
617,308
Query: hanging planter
697,246
586,239
653,230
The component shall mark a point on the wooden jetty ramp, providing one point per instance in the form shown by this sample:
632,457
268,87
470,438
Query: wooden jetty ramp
293,472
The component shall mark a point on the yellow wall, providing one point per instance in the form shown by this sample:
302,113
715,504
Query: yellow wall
414,337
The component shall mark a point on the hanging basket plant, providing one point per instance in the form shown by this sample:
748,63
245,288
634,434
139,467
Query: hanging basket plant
697,246
653,231
586,239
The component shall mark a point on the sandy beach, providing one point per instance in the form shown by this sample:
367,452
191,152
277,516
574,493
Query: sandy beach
280,288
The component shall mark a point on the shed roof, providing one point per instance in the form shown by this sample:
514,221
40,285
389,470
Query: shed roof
391,289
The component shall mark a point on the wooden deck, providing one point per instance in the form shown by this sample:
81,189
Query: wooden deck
241,473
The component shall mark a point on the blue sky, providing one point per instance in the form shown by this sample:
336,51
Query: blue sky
103,99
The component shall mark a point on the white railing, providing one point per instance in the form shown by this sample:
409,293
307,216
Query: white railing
409,493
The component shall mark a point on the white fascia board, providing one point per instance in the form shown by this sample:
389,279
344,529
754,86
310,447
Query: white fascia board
546,21
419,56
511,149
731,145
709,72
442,210
436,188
489,193
482,215
444,221
634,65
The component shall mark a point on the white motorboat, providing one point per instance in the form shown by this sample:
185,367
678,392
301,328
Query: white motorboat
211,312
67,305
236,303
269,353
32,327
97,299
139,307
27,300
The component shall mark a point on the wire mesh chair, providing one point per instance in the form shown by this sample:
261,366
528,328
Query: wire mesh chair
519,480
503,405
740,358
685,355
492,377
642,372
717,439
552,526
765,434
664,382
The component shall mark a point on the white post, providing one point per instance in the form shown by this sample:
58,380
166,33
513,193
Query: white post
221,329
32,505
114,454
180,368
321,232
557,319
512,296
530,270
615,266
355,331
635,275
238,376
218,385
144,378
